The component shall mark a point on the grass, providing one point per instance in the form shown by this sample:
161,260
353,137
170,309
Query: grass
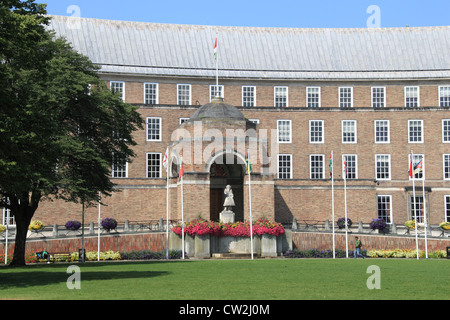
272,279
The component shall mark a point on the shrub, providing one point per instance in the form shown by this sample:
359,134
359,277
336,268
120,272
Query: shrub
109,224
411,224
73,225
378,223
2,228
36,225
150,255
445,225
341,223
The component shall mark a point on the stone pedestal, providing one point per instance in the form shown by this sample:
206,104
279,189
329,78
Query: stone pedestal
227,216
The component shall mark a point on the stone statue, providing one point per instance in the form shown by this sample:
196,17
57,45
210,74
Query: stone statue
229,200
227,215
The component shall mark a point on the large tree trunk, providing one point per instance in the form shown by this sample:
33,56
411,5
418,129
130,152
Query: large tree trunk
23,213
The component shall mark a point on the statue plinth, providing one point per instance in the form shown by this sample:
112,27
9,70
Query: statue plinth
227,216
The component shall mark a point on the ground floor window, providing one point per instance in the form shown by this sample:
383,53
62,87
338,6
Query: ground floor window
417,208
284,166
384,208
447,208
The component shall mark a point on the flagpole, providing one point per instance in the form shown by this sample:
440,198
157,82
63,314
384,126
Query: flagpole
413,175
424,208
166,166
98,229
182,212
217,65
345,199
250,202
6,239
332,203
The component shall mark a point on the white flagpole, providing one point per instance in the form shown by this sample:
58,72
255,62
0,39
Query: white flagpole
332,202
345,198
167,217
166,158
250,202
182,214
414,203
424,207
217,64
6,239
98,229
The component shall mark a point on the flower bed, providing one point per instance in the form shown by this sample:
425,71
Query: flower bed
397,253
2,228
149,255
202,227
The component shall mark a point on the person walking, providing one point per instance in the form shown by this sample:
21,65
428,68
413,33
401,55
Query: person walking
358,246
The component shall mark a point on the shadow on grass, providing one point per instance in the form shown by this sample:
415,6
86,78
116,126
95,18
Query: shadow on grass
36,275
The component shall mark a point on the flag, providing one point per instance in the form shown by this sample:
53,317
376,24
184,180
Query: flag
416,168
249,165
331,166
181,173
345,169
410,167
166,160
215,50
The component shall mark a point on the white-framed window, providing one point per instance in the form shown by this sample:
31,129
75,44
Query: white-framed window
383,167
118,87
316,131
316,166
351,163
151,93
119,166
418,161
415,131
313,97
384,208
284,129
281,97
284,166
183,120
447,208
416,208
382,131
346,97
378,97
349,131
446,166
255,121
153,165
412,97
154,129
216,91
248,96
444,96
446,130
184,94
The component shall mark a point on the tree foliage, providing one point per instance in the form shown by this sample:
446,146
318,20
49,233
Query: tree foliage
59,124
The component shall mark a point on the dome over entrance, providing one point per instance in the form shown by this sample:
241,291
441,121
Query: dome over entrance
217,109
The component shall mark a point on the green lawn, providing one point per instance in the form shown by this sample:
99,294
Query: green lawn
271,279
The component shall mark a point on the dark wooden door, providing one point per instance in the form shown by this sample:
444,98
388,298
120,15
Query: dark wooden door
216,204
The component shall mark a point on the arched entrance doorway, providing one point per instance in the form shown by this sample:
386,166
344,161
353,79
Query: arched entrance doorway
226,169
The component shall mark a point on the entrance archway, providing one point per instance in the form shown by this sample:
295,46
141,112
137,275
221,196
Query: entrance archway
226,169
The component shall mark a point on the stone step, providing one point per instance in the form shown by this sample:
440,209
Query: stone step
232,256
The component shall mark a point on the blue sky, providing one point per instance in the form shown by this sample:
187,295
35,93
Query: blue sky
262,13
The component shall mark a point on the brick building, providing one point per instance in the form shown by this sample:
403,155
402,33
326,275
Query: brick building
370,96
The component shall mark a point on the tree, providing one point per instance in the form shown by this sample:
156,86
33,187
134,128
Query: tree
59,124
